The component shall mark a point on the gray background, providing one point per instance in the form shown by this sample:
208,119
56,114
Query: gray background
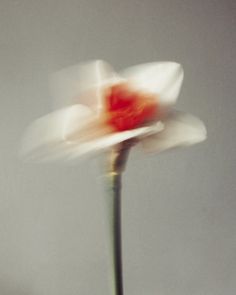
178,207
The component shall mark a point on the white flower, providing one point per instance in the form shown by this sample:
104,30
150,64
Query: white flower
98,108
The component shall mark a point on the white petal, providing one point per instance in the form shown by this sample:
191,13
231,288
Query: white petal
52,130
179,130
80,83
161,78
88,142
105,142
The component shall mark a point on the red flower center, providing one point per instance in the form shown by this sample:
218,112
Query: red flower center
128,109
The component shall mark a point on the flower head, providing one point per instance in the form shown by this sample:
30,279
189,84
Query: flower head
98,108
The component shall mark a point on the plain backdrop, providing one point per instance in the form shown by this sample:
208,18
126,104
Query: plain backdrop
179,208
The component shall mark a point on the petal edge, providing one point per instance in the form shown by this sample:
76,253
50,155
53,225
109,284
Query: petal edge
180,129
161,78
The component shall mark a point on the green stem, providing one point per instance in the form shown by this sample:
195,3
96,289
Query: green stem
115,230
117,165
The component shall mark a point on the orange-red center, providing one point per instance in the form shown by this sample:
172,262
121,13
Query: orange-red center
127,108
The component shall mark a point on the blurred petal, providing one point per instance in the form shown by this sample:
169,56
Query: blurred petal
161,78
109,140
80,83
53,129
179,130
88,142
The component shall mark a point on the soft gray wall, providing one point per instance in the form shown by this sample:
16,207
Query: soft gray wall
178,208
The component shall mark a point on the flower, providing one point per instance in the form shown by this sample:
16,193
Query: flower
98,108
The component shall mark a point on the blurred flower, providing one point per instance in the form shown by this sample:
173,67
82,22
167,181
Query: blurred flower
98,108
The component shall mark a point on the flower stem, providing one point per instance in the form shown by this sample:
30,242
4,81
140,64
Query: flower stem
115,231
117,165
